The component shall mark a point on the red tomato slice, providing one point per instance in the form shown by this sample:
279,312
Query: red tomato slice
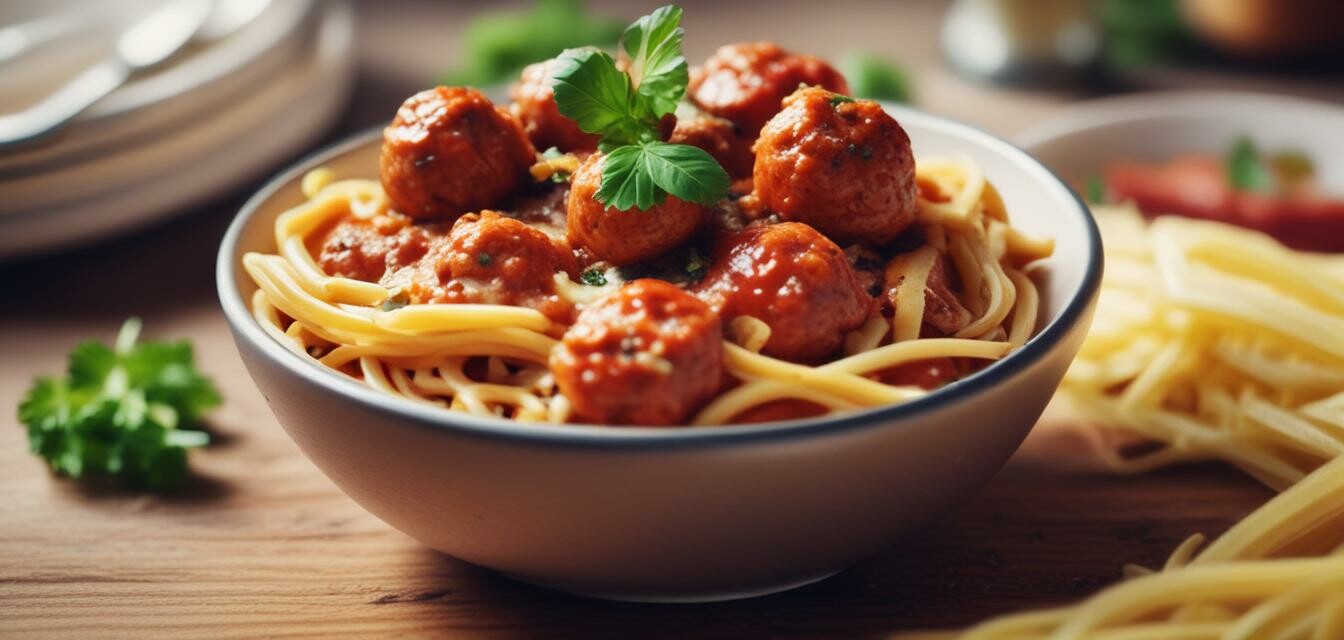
1191,186
1196,187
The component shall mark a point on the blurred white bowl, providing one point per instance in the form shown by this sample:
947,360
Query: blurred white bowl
236,127
192,84
1081,140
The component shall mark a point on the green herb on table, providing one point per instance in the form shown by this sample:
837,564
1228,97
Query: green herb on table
499,44
1246,171
873,77
639,169
123,411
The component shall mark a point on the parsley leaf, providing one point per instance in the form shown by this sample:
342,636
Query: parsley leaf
642,175
626,182
120,411
1245,170
658,71
592,92
639,169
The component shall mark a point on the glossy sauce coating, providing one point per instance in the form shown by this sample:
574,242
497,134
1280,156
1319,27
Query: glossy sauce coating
534,106
647,354
745,82
777,410
841,165
493,259
450,151
925,374
791,278
625,237
367,249
542,206
721,139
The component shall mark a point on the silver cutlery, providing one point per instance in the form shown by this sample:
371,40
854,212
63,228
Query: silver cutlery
146,44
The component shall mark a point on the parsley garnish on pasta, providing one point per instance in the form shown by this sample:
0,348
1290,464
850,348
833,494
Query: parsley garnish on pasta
625,109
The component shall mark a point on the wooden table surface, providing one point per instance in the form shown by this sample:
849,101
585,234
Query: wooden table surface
262,545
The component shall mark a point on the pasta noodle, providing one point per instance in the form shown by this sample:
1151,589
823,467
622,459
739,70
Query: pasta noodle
1225,344
424,352
1217,343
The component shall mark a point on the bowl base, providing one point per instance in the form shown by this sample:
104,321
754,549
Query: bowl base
694,597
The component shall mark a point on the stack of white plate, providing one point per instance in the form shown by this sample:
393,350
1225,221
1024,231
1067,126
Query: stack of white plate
214,116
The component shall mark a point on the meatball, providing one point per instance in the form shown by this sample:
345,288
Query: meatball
490,258
450,151
841,165
366,249
647,354
745,82
534,106
794,280
625,237
722,139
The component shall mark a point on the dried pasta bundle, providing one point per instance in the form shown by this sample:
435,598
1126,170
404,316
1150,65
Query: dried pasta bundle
1218,343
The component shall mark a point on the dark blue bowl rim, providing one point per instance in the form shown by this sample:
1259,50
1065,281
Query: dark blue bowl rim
244,326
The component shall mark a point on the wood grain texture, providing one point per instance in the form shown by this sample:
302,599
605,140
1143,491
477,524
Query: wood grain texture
262,545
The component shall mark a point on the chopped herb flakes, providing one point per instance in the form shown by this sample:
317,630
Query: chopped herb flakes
593,278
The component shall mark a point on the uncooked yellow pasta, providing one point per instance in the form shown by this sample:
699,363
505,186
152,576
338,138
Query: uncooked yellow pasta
1216,342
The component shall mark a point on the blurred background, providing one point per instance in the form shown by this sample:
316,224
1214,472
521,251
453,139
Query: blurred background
205,99
132,131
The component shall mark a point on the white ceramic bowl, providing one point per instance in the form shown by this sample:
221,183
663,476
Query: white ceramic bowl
1081,140
676,514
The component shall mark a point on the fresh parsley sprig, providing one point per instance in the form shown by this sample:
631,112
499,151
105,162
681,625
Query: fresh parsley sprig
658,71
624,108
121,411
